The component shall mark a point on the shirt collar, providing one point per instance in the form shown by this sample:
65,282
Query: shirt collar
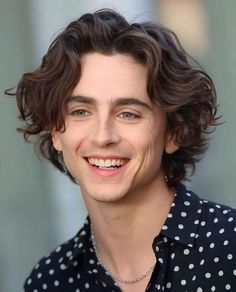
183,220
80,243
83,255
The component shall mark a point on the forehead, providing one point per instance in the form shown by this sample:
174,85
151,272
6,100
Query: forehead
110,77
118,61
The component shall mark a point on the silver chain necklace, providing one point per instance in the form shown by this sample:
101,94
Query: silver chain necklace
116,278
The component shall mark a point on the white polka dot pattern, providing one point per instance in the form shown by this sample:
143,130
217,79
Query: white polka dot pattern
195,251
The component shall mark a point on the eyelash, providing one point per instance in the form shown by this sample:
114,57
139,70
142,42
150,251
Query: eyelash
80,112
126,115
134,116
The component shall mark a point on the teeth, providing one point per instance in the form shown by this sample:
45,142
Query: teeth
106,163
101,163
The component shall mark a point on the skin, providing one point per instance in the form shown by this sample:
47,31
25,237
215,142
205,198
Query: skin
111,117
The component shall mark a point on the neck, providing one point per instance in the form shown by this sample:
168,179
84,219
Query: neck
125,230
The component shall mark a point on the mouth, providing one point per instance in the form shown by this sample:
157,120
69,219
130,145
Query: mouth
108,163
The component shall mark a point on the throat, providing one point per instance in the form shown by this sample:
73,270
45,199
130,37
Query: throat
129,278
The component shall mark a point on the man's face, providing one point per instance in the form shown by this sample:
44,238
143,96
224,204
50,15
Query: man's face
115,136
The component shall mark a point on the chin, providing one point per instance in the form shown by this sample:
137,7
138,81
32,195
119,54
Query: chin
103,196
107,198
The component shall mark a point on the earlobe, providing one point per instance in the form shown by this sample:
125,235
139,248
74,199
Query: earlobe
171,145
56,141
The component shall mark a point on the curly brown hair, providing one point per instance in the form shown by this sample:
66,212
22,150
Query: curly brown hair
185,92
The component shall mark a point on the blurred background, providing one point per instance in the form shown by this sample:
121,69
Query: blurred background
39,208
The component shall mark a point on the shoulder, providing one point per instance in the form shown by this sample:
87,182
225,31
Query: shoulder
210,219
55,270
218,220
208,227
206,245
216,236
214,222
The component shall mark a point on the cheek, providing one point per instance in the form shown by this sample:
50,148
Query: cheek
69,147
72,138
154,145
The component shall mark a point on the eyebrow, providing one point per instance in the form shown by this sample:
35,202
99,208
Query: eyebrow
81,98
117,102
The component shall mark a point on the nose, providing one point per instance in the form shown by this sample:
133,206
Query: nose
104,133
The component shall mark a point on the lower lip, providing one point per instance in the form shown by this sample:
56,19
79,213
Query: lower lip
104,172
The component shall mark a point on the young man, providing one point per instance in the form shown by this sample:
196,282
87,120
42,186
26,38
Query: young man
122,110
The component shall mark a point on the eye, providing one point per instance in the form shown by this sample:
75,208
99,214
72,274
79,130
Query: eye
79,113
129,116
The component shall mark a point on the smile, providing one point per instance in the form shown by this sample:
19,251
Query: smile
106,163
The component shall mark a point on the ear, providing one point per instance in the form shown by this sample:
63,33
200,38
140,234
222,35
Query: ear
171,145
56,141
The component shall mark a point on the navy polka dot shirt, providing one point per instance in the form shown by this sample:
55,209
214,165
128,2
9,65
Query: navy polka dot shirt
195,252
